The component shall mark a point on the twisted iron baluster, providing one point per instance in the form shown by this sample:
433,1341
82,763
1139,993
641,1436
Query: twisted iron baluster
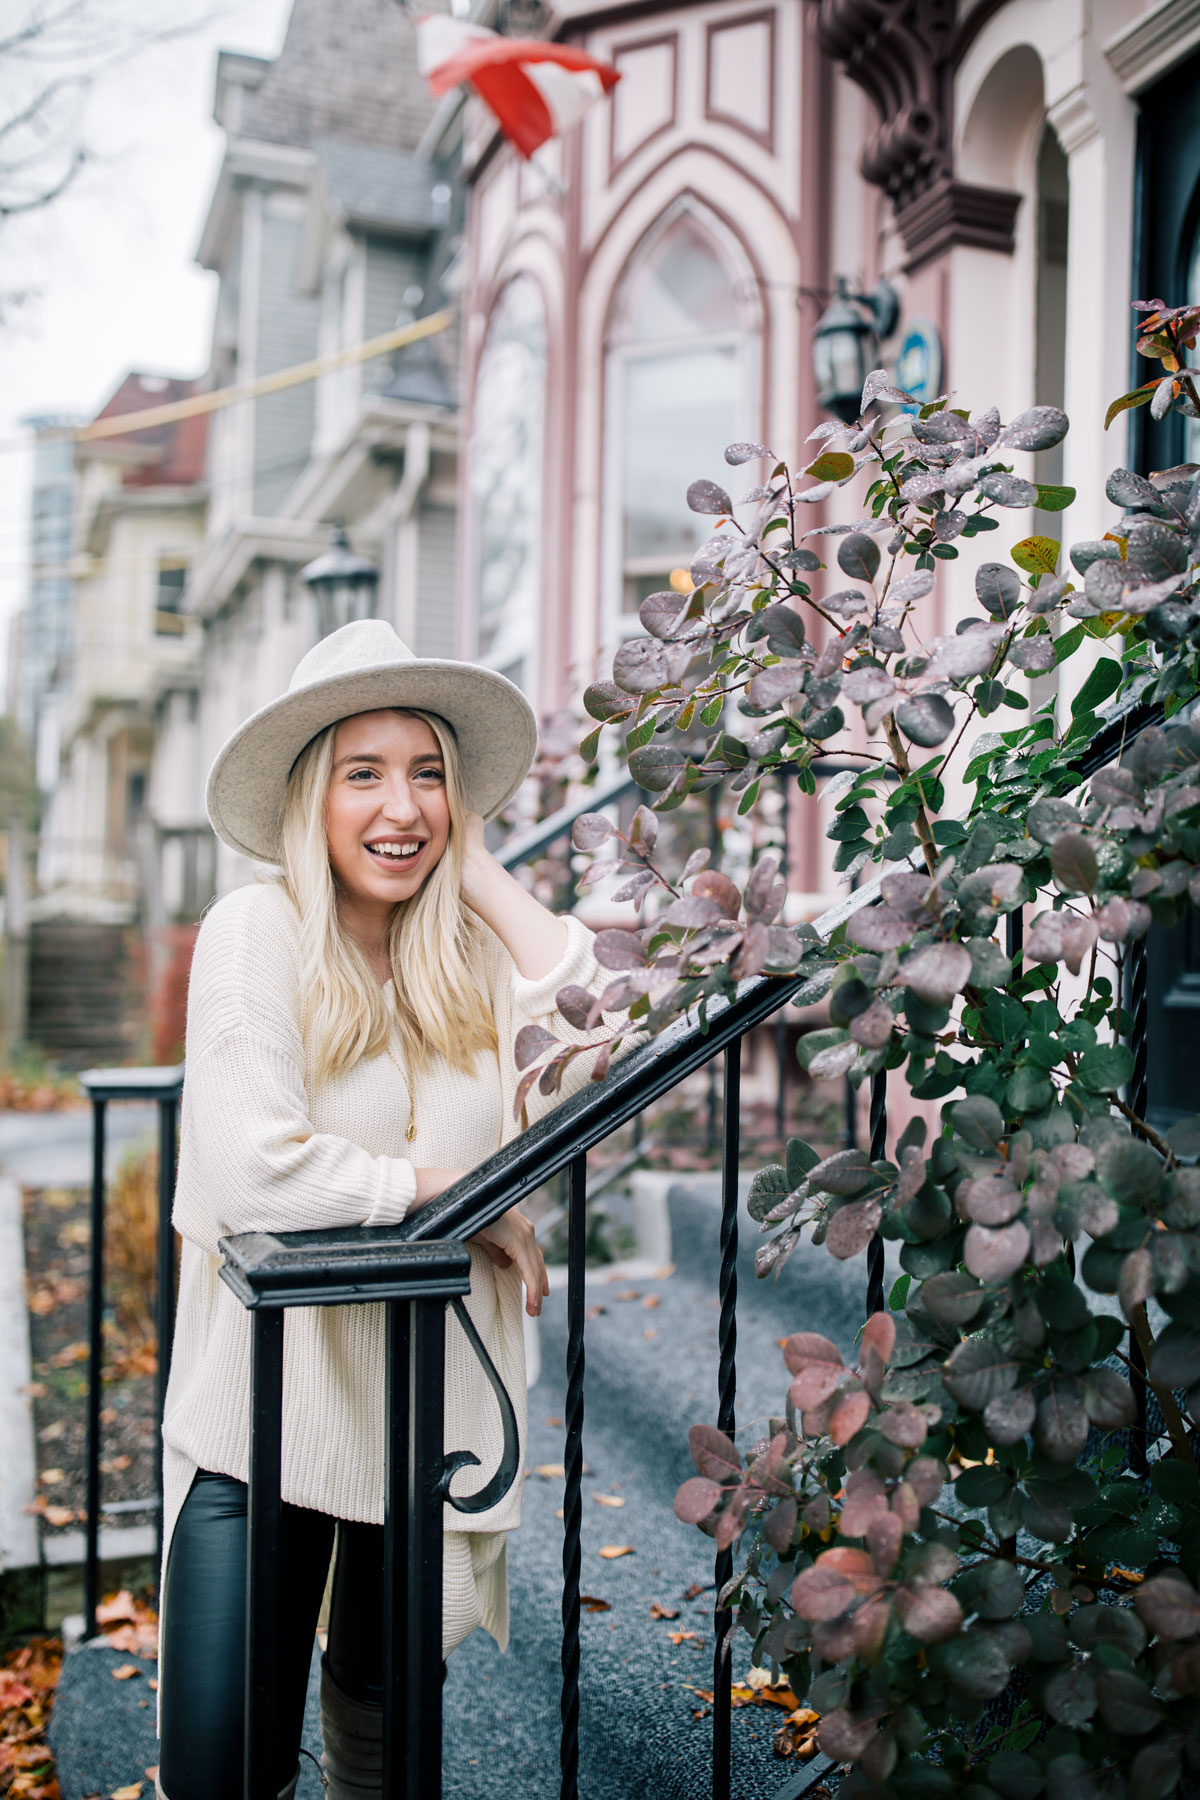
1138,1003
727,1391
573,1457
878,1146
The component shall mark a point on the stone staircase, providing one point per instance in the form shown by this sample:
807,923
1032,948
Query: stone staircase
86,992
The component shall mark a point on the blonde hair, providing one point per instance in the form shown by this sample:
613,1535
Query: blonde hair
433,943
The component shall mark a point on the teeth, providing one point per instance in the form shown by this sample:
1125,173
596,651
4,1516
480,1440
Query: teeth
395,851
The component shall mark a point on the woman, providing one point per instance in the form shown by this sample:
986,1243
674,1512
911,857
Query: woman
349,1042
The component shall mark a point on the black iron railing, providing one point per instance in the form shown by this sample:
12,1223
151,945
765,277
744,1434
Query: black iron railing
421,1267
103,1086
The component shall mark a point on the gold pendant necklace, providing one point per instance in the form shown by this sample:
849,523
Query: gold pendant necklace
411,1132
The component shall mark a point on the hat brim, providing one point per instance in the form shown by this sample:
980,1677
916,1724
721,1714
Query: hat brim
493,724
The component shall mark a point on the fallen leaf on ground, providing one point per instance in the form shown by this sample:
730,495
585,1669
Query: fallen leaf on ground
665,1273
797,1736
610,1551
37,1390
650,1332
114,1465
552,1421
126,1672
70,1353
629,1294
681,1637
50,1476
651,1300
152,1773
550,1471
701,1712
116,1608
593,1312
593,1603
608,1499
132,1792
658,1611
50,1434
697,1588
763,1694
153,1682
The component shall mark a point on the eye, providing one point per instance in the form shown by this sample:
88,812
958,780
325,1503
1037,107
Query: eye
434,774
368,774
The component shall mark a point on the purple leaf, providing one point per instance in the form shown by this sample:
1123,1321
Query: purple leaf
711,885
879,928
851,1228
846,1172
937,973
590,830
782,681
866,684
618,950
1169,1605
576,1005
1010,1417
531,1041
1038,429
928,1614
736,454
707,497
696,1499
661,614
926,719
1062,1423
995,1255
714,1454
1074,863
641,666
1034,655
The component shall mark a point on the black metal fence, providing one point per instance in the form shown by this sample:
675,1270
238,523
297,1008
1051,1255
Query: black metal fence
421,1267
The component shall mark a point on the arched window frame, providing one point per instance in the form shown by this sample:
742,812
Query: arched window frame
625,578
513,649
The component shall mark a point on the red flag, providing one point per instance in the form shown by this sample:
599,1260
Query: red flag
536,90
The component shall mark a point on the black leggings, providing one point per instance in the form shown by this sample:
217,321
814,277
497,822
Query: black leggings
204,1623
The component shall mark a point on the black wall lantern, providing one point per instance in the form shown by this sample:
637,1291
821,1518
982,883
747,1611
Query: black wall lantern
343,582
846,344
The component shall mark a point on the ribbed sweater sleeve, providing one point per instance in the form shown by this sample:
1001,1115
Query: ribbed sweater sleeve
260,1162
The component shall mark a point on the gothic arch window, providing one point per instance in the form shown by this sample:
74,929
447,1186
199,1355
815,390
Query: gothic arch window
682,376
506,482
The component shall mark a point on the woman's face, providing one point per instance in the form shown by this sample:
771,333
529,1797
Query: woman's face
387,813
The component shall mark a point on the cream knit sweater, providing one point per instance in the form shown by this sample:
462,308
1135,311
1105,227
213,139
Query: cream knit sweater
264,1147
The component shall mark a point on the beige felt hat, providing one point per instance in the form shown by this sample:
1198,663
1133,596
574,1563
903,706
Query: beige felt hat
365,667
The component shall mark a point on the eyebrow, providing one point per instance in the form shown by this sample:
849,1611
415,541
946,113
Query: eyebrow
368,756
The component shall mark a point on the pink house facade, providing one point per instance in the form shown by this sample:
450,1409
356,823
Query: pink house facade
636,296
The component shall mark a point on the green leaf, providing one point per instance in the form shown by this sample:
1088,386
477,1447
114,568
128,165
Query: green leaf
834,465
590,747
899,1292
1103,680
1106,1068
1036,555
1053,499
1066,643
1138,397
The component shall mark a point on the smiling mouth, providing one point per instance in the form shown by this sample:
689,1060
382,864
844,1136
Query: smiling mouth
395,856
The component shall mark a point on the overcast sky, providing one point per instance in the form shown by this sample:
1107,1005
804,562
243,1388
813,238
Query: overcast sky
112,262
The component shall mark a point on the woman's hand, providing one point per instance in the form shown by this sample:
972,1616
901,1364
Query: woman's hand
511,1240
479,866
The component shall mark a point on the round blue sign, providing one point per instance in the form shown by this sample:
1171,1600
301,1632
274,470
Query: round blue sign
919,363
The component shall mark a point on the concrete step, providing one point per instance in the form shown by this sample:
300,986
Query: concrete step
651,1373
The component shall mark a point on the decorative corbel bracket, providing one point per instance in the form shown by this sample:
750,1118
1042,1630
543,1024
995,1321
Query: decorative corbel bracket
903,54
